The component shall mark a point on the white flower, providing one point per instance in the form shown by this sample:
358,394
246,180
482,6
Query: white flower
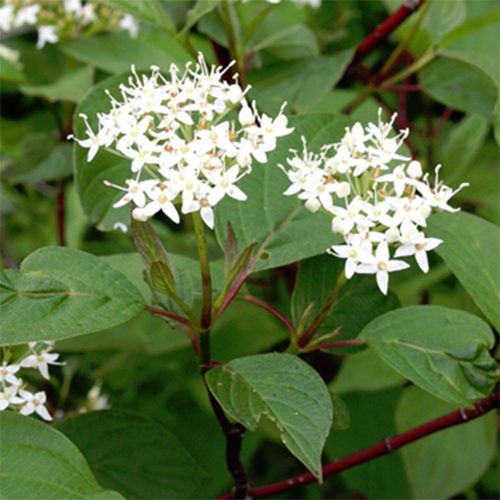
419,246
356,251
224,184
46,34
34,403
41,362
162,201
9,397
381,265
27,16
398,178
414,169
7,374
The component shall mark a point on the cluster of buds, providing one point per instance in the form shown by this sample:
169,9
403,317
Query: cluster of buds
60,19
14,393
378,198
189,140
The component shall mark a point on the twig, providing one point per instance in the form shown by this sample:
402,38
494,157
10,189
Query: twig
167,314
268,307
383,30
443,119
383,447
401,88
338,344
60,188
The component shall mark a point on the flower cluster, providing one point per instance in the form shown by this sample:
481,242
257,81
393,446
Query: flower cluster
13,390
185,141
58,19
378,198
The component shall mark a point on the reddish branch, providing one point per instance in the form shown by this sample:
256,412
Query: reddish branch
268,307
383,30
382,448
339,343
167,314
60,187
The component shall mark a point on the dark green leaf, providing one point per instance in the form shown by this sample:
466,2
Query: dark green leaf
448,462
470,248
37,461
443,351
284,389
138,458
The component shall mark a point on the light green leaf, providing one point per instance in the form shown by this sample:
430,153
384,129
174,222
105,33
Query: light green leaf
37,461
60,293
443,351
71,87
280,225
365,371
460,85
470,249
302,84
284,389
137,457
448,462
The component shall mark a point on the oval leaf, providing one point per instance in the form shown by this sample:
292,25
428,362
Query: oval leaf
37,461
444,351
470,249
150,463
284,389
60,293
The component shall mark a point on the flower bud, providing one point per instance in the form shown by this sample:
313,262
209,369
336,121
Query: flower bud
392,235
313,204
414,169
245,116
235,93
343,189
338,225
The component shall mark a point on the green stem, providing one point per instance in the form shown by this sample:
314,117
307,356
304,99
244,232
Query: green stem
413,68
233,47
323,312
206,280
358,100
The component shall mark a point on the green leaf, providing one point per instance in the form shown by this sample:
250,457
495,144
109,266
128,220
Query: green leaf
96,198
60,293
290,42
460,85
302,84
201,8
372,420
116,52
448,462
365,371
470,249
152,12
461,146
37,461
280,225
315,280
71,87
137,457
443,351
284,389
42,158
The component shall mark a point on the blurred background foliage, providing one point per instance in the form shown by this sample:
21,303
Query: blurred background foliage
449,97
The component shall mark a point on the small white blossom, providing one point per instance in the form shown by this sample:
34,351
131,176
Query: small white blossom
34,403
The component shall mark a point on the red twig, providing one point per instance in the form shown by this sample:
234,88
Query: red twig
268,307
443,119
60,188
167,314
383,30
339,343
401,88
382,448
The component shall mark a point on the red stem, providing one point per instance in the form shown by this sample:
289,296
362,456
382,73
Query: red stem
60,187
268,307
401,88
383,30
167,314
443,119
339,343
382,448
